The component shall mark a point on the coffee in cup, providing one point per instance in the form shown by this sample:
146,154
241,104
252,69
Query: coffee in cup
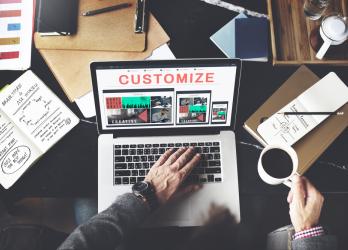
277,164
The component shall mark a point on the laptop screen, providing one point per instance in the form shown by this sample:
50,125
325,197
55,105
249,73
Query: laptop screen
165,95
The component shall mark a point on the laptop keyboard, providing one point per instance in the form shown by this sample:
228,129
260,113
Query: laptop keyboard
132,162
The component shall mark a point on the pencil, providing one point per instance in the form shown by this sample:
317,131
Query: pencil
311,113
107,9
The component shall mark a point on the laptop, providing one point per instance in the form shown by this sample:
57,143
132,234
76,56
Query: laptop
147,107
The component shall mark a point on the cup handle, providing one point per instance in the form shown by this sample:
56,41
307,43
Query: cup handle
323,49
288,182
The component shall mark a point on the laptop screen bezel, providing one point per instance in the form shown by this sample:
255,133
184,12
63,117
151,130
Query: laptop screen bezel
179,63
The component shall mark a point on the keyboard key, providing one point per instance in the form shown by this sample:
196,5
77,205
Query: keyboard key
140,178
147,171
216,156
213,170
117,146
161,151
151,158
132,152
133,180
118,181
142,172
131,165
125,180
163,145
154,151
210,178
205,150
214,150
208,144
147,151
155,145
199,150
193,144
140,145
124,151
135,173
148,145
122,173
136,158
125,146
216,143
120,159
157,157
138,165
200,143
143,158
214,163
140,151
186,144
133,146
204,164
121,166
151,164
178,144
129,158
209,156
117,152
218,179
171,145
146,165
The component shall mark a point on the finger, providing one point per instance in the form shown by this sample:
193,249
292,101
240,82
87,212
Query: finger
183,159
290,196
315,198
175,156
183,191
298,190
186,170
163,158
309,187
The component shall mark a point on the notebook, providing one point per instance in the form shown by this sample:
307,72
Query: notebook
312,145
32,120
111,31
252,39
224,38
57,17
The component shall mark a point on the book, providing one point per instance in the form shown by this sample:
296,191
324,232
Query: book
252,39
32,120
110,31
313,144
75,80
16,31
224,38
328,94
57,17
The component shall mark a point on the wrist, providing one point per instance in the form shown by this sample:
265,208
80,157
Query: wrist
144,191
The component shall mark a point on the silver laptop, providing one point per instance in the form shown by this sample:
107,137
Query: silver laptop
147,107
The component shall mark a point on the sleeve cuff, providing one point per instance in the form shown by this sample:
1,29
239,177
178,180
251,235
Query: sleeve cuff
309,233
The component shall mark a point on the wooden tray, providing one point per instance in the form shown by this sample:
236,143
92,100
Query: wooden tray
292,34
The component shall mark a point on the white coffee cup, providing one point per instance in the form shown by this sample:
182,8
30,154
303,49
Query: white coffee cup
273,180
334,31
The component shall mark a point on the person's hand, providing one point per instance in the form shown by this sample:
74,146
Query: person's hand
169,172
305,203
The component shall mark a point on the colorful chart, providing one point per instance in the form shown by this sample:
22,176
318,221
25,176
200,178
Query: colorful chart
16,27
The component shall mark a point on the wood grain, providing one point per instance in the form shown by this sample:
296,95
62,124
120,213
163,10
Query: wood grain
292,34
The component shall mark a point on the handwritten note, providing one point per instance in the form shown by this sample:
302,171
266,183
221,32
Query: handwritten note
32,120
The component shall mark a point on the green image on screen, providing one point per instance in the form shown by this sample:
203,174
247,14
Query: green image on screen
198,109
136,102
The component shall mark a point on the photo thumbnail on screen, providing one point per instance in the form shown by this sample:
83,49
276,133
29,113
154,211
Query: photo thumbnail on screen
193,108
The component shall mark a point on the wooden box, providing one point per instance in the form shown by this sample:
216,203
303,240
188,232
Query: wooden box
292,34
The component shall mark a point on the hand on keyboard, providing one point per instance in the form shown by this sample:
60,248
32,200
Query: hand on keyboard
170,171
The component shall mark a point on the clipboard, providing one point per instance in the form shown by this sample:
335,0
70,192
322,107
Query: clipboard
111,31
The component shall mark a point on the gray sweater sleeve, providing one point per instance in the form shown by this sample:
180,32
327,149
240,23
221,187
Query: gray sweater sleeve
107,229
325,242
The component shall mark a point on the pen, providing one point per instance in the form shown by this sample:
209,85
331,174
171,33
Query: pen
107,9
311,113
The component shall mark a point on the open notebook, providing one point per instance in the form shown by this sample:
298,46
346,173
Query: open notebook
32,120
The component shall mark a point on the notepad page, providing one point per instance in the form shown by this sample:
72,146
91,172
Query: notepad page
327,95
37,111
